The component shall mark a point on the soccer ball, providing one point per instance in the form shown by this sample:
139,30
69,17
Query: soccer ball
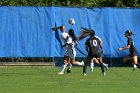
71,21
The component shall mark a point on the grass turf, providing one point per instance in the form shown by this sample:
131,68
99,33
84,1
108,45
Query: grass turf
45,80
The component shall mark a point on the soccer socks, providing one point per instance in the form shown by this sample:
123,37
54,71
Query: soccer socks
69,66
105,65
134,66
91,66
80,63
138,65
63,68
102,67
84,68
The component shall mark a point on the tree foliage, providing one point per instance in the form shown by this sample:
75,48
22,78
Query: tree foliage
79,3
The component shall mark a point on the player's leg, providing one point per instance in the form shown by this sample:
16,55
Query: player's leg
87,61
104,64
66,59
91,66
135,60
73,61
101,65
69,65
129,58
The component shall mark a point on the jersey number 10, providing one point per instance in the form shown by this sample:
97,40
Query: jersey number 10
93,43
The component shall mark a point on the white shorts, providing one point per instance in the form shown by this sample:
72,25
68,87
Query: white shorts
71,54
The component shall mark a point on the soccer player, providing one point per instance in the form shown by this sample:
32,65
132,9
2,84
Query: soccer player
133,51
70,51
65,38
94,54
85,33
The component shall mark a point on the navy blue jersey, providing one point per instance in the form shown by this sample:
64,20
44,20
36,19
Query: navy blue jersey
132,48
93,44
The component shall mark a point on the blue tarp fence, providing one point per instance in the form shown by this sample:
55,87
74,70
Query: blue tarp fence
26,31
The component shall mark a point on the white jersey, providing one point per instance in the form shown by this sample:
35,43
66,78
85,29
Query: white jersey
70,49
65,36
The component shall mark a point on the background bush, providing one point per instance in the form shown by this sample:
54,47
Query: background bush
85,3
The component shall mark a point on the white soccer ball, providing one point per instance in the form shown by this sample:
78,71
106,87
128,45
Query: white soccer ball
71,21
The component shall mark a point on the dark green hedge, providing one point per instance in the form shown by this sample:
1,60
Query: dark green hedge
40,59
85,3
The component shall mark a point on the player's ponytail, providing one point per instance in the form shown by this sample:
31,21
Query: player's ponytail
72,34
85,33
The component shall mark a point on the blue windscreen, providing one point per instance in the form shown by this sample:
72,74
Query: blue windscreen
26,31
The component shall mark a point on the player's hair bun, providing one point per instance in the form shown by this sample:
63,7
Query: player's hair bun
129,32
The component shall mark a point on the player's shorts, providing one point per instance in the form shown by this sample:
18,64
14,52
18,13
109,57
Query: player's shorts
133,53
71,54
95,54
90,56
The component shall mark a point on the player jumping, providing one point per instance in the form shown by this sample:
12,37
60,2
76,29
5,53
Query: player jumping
70,51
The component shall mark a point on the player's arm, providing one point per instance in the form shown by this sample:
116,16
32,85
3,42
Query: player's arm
56,28
128,45
65,39
100,44
125,48
87,48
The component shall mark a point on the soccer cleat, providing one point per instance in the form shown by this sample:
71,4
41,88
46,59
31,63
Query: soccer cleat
84,74
68,71
106,66
82,63
104,73
60,73
134,67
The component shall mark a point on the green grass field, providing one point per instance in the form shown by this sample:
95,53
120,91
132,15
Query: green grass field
45,80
